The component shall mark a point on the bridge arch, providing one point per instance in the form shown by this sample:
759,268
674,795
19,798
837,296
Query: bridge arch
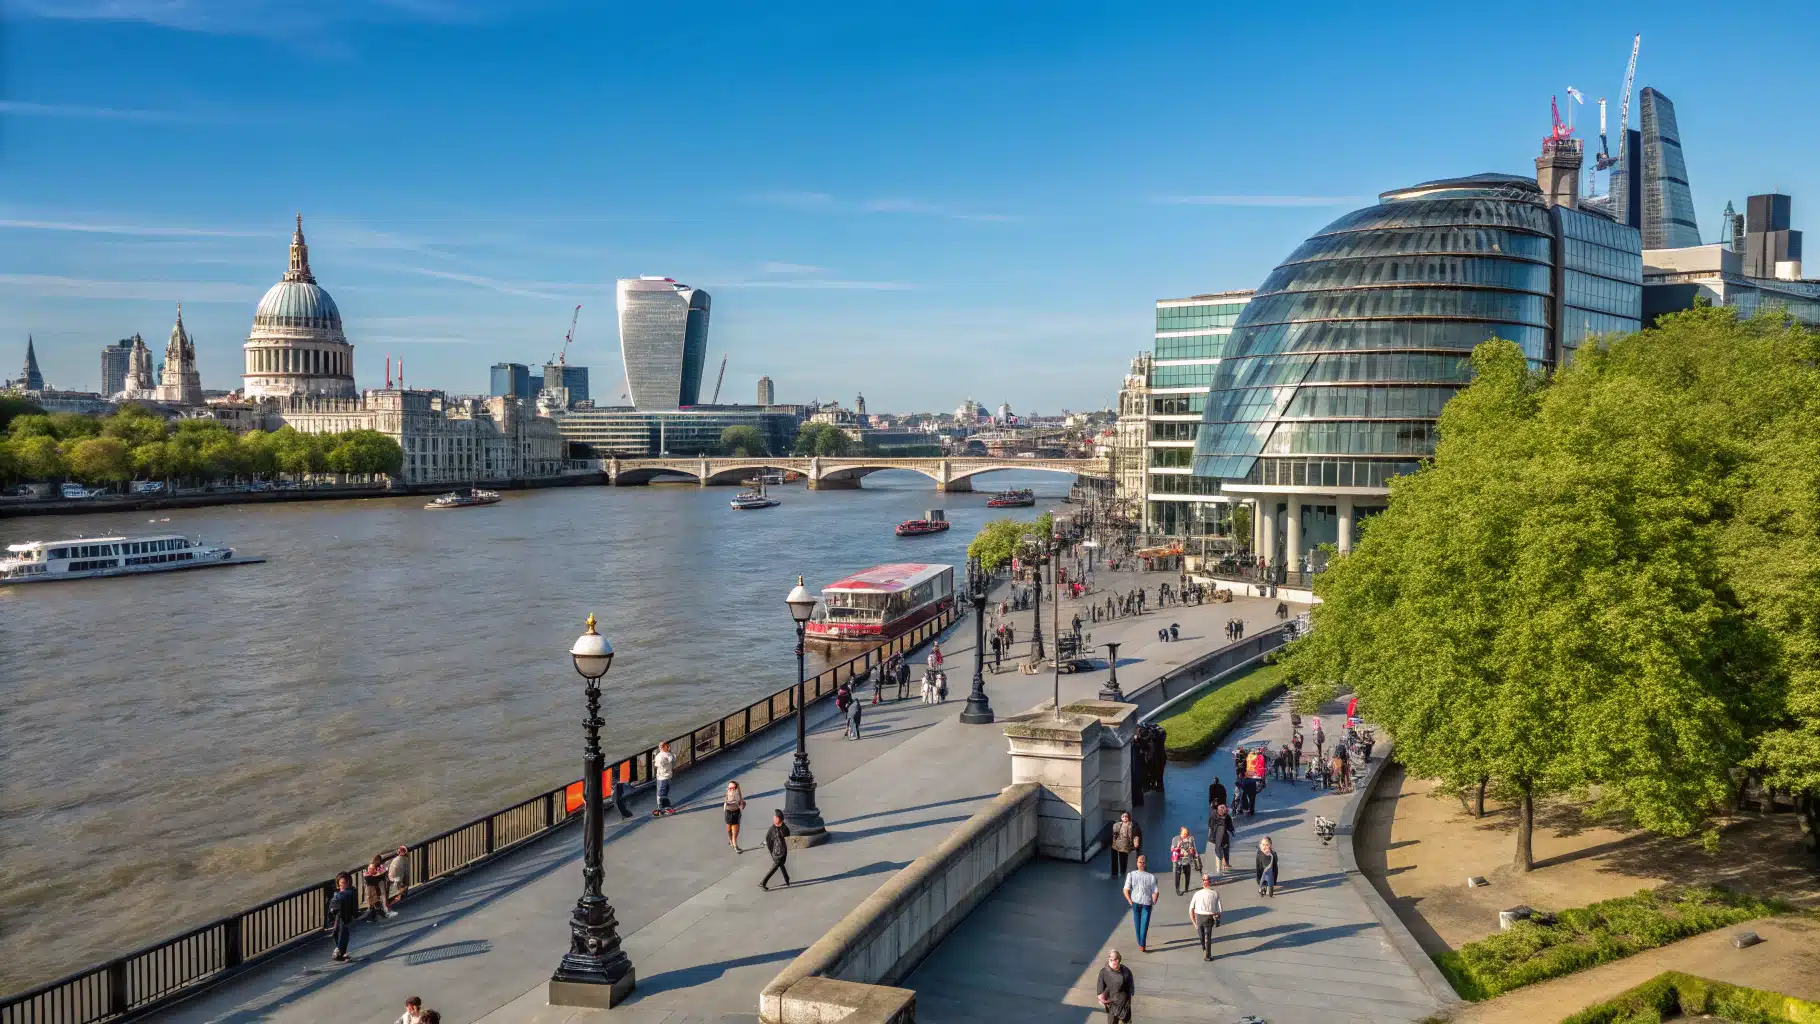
1020,465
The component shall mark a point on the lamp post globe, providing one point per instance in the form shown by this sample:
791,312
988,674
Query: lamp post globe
800,813
595,972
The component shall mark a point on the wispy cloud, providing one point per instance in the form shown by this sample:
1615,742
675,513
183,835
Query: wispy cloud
265,18
774,267
20,108
527,289
46,285
138,230
1261,200
829,203
816,283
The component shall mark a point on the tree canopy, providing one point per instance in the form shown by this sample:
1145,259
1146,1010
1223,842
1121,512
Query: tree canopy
136,443
822,439
743,442
1001,540
1606,578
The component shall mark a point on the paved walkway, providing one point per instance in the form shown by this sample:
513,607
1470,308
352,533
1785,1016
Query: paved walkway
703,938
1313,953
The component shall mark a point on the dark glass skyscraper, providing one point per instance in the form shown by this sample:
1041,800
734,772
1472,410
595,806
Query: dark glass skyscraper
1668,203
663,334
512,380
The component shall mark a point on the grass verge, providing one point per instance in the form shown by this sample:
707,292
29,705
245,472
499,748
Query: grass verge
1587,936
1673,993
1195,731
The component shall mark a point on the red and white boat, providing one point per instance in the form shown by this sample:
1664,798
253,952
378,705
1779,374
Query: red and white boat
933,521
883,602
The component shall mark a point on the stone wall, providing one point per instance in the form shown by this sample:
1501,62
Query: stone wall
885,937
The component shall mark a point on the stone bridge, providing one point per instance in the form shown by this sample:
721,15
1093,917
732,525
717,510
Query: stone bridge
838,473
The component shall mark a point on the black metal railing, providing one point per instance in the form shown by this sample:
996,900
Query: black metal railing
175,968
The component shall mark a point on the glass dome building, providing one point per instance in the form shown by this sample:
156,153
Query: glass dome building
1336,372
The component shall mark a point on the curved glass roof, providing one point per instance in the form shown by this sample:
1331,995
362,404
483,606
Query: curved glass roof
1355,342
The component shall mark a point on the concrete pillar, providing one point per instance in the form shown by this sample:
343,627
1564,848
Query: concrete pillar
1257,527
1267,507
703,471
1082,761
1345,511
1292,535
613,471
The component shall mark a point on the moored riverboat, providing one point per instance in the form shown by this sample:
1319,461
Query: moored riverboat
1012,499
933,521
747,501
84,558
470,498
880,603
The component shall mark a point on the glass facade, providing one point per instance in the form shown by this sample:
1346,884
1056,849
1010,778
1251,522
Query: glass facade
512,380
1668,202
663,332
1190,518
1191,338
1335,374
634,433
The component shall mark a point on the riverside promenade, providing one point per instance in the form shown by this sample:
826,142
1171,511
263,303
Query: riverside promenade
702,936
1316,952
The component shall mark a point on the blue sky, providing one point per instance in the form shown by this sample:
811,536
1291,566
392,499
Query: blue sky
918,201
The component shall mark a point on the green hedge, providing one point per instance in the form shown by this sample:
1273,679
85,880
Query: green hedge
1196,730
1588,936
1671,993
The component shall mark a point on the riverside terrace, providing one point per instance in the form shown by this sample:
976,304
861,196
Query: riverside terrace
704,939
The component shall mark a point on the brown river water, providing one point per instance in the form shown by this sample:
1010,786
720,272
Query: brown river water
178,746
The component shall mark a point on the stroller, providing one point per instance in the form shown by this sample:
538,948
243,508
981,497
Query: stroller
1324,827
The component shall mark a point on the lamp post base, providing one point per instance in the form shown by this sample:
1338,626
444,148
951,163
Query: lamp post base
591,994
979,712
801,814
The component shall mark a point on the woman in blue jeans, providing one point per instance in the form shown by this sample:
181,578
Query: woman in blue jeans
1140,892
1267,868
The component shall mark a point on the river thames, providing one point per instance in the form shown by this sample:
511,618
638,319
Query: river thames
175,747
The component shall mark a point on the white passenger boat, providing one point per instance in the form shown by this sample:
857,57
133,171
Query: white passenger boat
471,498
42,561
747,501
883,602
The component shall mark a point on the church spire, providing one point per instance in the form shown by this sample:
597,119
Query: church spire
34,378
300,256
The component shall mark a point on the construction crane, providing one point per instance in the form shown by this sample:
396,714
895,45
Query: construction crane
1605,160
717,381
563,358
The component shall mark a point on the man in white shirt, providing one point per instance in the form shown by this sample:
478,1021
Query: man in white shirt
663,766
1140,892
398,874
1204,914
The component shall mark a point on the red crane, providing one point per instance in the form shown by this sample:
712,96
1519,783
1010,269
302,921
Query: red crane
563,358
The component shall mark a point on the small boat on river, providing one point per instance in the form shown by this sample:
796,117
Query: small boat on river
747,501
471,498
933,521
880,603
1013,499
83,558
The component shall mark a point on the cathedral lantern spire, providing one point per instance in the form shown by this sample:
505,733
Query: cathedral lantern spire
300,256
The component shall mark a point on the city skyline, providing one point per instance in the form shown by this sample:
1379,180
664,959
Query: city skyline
931,222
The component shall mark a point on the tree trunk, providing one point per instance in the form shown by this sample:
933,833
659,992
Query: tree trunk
1526,820
1478,799
1808,806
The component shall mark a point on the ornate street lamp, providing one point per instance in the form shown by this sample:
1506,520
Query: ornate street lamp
595,972
1034,548
978,710
1111,690
800,812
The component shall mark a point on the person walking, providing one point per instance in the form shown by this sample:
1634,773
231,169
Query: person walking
734,803
622,783
1267,868
1116,989
398,875
998,650
1248,795
903,676
1220,828
1204,914
1295,741
663,767
1175,631
1238,764
1216,794
928,686
853,716
1126,838
1141,893
343,907
374,881
777,844
878,686
1320,739
1183,857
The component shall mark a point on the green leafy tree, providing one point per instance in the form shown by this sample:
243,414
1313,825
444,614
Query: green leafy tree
1544,605
99,460
366,452
1241,527
31,425
996,543
824,439
37,457
743,442
134,426
155,460
68,426
12,407
220,457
